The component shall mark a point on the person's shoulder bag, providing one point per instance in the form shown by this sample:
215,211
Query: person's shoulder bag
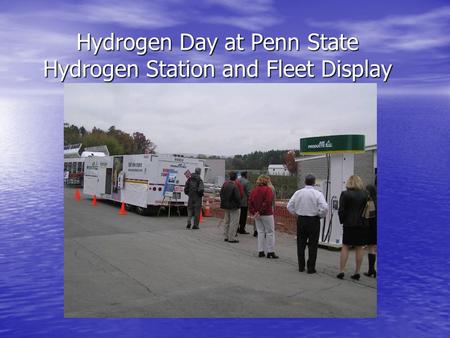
369,210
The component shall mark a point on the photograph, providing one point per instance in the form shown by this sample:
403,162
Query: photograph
220,200
211,169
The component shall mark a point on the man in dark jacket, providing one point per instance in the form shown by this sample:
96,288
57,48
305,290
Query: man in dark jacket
194,189
244,202
230,201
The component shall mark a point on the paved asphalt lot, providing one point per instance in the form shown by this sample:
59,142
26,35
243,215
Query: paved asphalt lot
137,266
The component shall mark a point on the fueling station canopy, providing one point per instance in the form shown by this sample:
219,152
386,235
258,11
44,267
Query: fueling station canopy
332,144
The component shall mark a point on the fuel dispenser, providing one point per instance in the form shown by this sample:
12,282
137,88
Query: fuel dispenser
339,151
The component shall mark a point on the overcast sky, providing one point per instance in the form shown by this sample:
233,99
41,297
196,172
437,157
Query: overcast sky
224,119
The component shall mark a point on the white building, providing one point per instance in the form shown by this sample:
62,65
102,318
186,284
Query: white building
366,164
278,170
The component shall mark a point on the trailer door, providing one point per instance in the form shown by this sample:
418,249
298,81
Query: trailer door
101,181
108,181
135,187
90,177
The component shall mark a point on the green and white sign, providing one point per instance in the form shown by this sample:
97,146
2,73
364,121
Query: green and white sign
332,144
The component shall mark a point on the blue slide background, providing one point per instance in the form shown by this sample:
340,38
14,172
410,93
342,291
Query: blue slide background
413,150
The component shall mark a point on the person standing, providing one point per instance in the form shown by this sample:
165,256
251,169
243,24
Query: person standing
230,201
246,187
372,235
260,205
241,193
309,205
351,206
271,186
194,188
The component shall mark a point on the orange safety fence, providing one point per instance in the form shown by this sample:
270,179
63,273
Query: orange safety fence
284,221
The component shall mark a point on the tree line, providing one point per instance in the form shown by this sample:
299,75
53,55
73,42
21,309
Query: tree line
260,160
117,141
123,143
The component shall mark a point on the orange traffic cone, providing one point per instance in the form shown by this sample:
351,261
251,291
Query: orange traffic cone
77,194
201,216
122,209
94,200
207,209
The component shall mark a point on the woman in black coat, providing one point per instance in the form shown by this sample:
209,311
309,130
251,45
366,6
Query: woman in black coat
372,234
351,207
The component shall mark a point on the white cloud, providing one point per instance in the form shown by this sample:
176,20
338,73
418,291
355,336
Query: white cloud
225,119
250,22
26,43
134,14
30,37
252,15
245,6
418,32
157,14
415,90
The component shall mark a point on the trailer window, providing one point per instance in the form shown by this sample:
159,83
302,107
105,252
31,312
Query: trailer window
79,167
65,166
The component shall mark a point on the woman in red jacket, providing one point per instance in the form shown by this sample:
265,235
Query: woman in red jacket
260,207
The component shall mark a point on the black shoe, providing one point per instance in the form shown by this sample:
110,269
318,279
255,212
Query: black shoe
301,269
371,274
311,271
188,226
371,271
225,240
272,255
261,254
340,275
233,241
195,228
255,234
356,276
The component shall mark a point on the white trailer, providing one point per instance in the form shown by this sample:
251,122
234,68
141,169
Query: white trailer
141,181
73,170
74,167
